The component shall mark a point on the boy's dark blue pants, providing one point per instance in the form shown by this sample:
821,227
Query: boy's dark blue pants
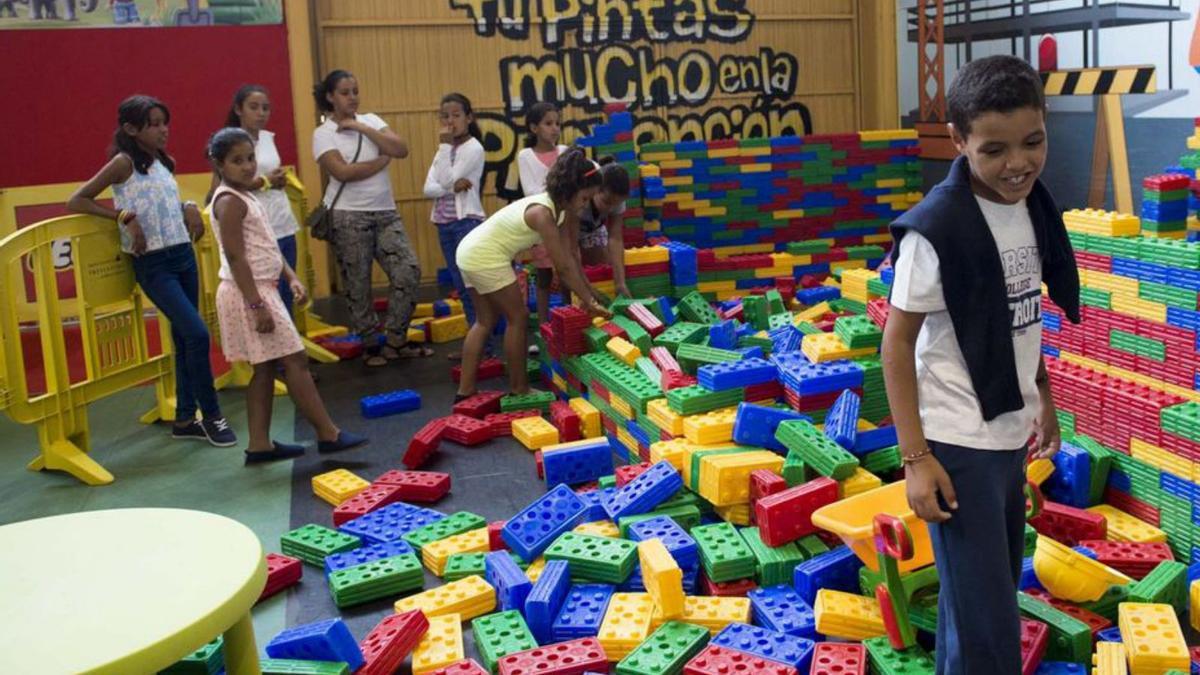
978,554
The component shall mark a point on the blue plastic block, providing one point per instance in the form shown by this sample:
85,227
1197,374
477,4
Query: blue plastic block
536,526
817,294
733,374
328,640
444,278
785,339
1060,668
769,644
723,335
366,554
888,276
874,439
1052,321
664,306
546,598
782,609
805,378
841,424
640,495
511,584
634,582
390,522
582,612
756,424
391,403
836,570
1071,481
1193,573
677,541
1110,634
1028,577
441,308
594,501
578,464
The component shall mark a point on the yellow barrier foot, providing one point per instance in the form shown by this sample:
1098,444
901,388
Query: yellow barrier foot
66,456
318,353
163,411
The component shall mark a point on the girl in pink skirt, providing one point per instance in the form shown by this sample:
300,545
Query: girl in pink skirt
255,325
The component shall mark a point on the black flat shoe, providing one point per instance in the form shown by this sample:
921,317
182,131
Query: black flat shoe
279,451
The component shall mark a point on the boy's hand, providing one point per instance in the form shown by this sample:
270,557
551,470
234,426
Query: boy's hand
1048,436
925,480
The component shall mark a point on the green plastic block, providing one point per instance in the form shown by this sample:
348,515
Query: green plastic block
763,342
1182,420
1031,536
498,635
811,545
456,523
858,331
534,400
818,452
311,543
775,301
808,328
1093,297
596,338
810,246
299,667
694,307
1070,638
594,559
666,651
923,612
882,461
691,356
754,309
794,471
462,565
376,579
208,660
888,661
647,368
635,333
775,564
723,553
1166,584
695,399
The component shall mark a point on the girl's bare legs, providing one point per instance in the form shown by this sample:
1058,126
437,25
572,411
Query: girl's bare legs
258,406
545,279
511,305
304,394
476,341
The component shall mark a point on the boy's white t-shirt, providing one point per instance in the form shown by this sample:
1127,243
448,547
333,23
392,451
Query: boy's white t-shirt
950,411
370,194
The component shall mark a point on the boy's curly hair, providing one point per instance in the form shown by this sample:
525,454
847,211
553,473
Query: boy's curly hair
992,84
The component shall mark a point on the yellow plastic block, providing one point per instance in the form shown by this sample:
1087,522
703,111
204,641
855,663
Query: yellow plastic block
600,528
1109,659
1194,605
672,451
468,597
890,183
721,153
448,328
416,334
1152,637
1038,471
882,238
625,351
1142,309
715,426
859,482
1070,575
338,485
664,418
626,624
712,612
725,479
621,406
589,417
854,284
813,313
662,577
887,135
662,157
534,432
837,265
422,310
434,554
456,306
535,569
716,286
737,514
1112,283
788,214
1124,527
627,440
1099,221
669,163
755,152
441,645
823,347
1160,458
676,181
846,615
644,255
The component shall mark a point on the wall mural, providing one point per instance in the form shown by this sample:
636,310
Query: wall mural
613,51
48,14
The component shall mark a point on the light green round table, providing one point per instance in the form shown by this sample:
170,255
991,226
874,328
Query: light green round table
126,591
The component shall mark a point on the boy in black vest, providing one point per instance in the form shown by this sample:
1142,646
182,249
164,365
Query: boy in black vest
962,354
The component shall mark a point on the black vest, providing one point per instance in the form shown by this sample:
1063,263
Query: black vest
973,278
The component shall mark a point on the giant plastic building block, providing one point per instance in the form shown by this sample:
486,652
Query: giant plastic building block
626,624
723,553
841,424
735,374
376,579
787,516
424,443
546,598
716,660
593,558
441,645
836,570
756,424
371,498
282,571
390,523
311,543
577,462
662,577
781,609
651,488
839,658
386,646
498,635
847,615
511,584
465,431
572,657
818,452
667,650
536,526
391,403
1153,638
534,432
582,612
338,485
465,599
328,640
677,541
483,403
417,486
769,644
366,554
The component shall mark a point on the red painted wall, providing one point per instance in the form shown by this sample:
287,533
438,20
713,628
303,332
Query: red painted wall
61,89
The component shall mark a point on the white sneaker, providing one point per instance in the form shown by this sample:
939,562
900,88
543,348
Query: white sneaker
534,351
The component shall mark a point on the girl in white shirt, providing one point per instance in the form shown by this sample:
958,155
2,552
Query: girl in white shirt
454,182
533,163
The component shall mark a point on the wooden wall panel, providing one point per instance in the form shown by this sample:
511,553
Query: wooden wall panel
408,54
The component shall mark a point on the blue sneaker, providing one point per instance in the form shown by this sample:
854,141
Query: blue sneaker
345,441
218,433
192,431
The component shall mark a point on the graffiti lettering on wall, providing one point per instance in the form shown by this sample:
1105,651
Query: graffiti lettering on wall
676,96
26,14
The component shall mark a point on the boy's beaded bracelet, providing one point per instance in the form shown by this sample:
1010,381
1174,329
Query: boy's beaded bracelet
909,459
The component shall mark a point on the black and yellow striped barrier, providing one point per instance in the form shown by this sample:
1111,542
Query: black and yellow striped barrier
1100,81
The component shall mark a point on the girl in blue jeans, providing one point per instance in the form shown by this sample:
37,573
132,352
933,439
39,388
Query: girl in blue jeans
453,183
157,229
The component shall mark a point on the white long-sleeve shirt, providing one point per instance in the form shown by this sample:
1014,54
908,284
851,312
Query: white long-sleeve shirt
533,171
443,174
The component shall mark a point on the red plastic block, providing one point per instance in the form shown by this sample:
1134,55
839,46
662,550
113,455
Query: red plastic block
664,359
628,472
1035,635
467,430
495,541
482,403
674,379
537,462
564,658
345,350
839,658
464,667
566,420
1094,621
877,311
1194,653
391,641
424,443
763,391
1135,507
1130,558
646,319
282,571
501,423
1167,182
763,483
716,660
787,515
613,330
737,588
488,368
377,495
1068,524
418,486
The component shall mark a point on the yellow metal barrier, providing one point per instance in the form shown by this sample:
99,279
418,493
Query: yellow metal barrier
113,334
